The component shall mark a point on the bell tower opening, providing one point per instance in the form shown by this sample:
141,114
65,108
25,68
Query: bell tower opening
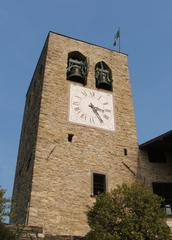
77,67
103,75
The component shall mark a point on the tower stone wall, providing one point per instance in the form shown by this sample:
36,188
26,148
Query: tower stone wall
28,138
54,192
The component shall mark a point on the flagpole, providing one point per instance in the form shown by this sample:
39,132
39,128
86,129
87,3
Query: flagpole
119,39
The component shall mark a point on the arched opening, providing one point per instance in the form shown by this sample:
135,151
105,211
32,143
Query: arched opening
103,75
77,67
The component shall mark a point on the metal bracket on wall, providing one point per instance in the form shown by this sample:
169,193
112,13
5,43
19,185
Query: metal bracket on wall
129,168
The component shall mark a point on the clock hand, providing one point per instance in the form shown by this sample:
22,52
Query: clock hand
95,111
99,109
98,116
95,108
91,106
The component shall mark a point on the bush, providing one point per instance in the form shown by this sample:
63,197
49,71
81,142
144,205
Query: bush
4,205
128,213
5,234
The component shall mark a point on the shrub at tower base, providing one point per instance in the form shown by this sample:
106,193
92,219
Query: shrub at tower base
128,213
5,234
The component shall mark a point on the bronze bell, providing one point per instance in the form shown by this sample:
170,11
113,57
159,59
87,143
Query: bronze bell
75,73
76,70
102,77
103,80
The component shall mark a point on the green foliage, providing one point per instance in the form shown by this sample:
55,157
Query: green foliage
128,213
5,234
4,205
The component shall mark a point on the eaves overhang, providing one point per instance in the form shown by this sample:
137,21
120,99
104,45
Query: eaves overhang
162,142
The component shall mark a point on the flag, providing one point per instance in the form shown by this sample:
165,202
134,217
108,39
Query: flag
117,37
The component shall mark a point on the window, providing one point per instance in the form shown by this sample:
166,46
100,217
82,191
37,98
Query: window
125,152
99,183
77,67
70,137
164,190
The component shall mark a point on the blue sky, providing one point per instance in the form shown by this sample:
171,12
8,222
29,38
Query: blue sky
146,36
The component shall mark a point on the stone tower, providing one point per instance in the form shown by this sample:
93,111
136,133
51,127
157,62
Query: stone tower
78,136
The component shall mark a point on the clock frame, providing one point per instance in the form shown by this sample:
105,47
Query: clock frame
93,108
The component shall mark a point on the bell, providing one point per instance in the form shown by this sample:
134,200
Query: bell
75,73
103,80
102,77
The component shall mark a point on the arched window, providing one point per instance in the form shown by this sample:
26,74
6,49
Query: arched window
103,75
77,67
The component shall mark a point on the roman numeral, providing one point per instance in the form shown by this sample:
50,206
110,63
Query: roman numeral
76,103
92,120
92,94
105,116
84,93
107,110
83,116
77,109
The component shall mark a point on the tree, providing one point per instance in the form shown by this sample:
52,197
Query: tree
5,234
128,213
4,205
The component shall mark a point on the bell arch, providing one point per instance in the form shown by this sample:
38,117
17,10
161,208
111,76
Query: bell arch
103,76
77,67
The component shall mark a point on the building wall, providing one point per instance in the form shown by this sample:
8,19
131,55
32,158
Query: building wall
26,153
61,181
154,172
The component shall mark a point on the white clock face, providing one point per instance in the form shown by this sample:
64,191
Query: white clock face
91,107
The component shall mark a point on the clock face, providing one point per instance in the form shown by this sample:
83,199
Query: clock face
91,107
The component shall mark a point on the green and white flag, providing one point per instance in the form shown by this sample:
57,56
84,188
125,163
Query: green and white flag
117,37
